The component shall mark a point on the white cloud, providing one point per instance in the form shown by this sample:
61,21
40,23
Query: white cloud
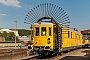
3,14
13,3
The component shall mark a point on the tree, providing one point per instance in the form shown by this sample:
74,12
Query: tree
4,34
23,32
0,34
9,36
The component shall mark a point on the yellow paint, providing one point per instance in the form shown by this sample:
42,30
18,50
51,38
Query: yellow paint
69,37
42,40
74,38
86,41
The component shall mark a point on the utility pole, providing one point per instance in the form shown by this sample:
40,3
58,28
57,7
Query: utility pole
15,34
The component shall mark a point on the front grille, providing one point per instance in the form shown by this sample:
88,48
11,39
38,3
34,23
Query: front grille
39,47
47,47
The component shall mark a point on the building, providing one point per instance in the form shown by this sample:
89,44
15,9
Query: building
2,39
25,38
86,34
7,30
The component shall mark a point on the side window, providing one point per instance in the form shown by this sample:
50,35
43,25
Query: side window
50,31
76,36
79,36
37,31
71,34
68,34
43,31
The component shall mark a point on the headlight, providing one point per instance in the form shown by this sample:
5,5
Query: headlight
32,39
48,40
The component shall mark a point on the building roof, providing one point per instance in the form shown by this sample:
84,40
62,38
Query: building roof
86,31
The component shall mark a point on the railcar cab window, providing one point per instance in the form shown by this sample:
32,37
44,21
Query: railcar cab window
37,31
43,31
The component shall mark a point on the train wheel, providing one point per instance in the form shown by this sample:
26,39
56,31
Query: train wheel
60,53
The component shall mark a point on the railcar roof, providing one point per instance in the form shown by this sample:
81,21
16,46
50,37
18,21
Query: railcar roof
43,23
72,30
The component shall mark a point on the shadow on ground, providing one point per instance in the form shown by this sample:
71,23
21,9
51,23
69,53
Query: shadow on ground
85,57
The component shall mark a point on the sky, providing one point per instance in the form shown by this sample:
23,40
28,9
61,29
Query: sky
16,10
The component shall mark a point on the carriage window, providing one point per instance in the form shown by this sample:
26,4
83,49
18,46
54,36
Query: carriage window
68,34
37,31
50,34
79,36
43,31
71,34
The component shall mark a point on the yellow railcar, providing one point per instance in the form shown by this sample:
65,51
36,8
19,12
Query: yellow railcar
50,37
71,39
43,34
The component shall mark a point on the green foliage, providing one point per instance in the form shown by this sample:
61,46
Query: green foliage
23,32
9,36
4,34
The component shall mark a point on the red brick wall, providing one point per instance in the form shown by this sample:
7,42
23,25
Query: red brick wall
2,39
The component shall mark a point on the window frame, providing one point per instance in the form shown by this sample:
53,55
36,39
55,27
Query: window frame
43,30
68,34
36,31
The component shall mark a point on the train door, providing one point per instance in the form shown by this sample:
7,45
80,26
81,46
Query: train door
57,38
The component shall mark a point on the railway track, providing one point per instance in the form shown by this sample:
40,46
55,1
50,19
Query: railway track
12,53
54,57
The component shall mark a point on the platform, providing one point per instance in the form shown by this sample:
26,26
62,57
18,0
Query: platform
84,54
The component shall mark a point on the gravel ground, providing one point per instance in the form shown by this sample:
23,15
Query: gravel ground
82,54
5,54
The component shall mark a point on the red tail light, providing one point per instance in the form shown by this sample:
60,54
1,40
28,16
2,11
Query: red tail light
31,27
